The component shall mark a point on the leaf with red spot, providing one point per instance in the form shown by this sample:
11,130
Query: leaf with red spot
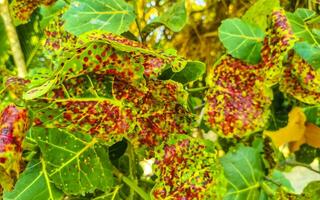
83,104
237,102
23,9
161,110
301,81
187,168
278,41
13,126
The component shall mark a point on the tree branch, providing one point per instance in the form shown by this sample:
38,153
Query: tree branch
13,39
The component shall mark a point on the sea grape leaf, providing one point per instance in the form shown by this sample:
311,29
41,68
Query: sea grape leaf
312,190
34,184
14,123
258,13
277,43
76,163
309,53
242,40
304,13
175,18
114,16
169,56
301,29
244,172
191,72
187,168
301,81
162,111
22,9
237,101
49,13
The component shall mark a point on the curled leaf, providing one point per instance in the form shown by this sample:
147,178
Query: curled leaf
278,41
13,126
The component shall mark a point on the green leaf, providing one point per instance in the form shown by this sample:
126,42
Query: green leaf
309,53
313,114
4,44
301,29
241,40
312,190
277,179
75,162
259,12
40,90
244,171
34,184
49,13
175,18
305,14
191,72
114,16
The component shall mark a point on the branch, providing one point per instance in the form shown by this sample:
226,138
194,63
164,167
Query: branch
295,163
13,39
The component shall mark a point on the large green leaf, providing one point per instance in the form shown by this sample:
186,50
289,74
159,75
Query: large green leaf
244,171
301,29
259,12
114,16
305,14
309,53
312,191
175,18
75,162
241,40
34,184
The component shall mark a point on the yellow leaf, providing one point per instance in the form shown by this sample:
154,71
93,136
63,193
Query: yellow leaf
294,131
312,135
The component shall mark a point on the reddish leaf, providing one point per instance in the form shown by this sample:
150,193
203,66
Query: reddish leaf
23,9
186,169
278,41
238,102
13,126
160,110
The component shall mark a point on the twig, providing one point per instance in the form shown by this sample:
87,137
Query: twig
295,163
131,184
13,39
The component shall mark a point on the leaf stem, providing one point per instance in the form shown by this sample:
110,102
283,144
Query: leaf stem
295,163
13,39
197,89
131,184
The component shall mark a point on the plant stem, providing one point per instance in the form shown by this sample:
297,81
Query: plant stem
295,163
131,184
13,39
197,89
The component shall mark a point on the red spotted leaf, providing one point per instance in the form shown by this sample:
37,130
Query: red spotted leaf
301,82
278,41
238,99
237,102
13,126
187,168
23,9
160,110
